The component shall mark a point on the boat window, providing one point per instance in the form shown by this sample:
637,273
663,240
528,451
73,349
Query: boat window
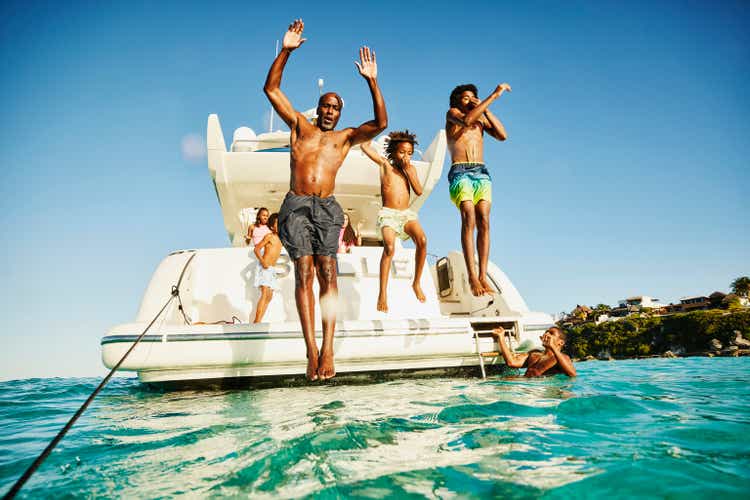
443,268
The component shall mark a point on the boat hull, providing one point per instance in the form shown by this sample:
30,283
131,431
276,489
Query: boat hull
264,350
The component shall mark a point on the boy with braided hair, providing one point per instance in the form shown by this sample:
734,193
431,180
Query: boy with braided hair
397,178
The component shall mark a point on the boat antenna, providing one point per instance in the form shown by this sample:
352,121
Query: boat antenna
270,120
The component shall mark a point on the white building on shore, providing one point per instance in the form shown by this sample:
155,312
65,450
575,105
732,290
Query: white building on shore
641,302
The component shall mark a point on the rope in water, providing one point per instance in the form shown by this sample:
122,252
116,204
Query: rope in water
35,465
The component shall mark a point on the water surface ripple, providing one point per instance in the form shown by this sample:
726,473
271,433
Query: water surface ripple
648,428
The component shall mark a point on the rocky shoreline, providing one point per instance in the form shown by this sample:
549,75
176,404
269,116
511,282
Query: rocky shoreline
669,354
738,346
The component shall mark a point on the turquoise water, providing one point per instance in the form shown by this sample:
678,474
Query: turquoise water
648,428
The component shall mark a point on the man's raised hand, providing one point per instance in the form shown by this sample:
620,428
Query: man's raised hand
293,37
367,67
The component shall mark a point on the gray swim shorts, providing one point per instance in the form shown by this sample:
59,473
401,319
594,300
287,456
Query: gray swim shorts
310,225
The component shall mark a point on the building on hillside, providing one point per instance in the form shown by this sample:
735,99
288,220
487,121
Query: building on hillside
640,302
579,315
694,303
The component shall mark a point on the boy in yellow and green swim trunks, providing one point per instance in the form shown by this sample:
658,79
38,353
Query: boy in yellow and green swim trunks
470,183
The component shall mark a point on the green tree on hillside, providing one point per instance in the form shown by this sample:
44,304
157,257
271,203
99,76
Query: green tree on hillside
600,309
643,336
741,286
731,302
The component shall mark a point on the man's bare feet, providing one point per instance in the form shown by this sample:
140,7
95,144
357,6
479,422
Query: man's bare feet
326,369
487,287
312,366
382,303
477,290
418,292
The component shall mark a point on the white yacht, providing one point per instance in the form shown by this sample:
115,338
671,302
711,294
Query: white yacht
205,335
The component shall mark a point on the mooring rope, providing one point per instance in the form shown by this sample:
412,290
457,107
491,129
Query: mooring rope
175,292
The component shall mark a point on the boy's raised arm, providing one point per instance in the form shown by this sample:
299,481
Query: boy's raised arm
292,40
456,116
496,128
368,150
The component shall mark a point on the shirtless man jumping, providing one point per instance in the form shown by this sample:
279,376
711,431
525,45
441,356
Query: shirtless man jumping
470,183
550,362
310,219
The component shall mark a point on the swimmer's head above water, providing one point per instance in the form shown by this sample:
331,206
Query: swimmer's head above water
555,334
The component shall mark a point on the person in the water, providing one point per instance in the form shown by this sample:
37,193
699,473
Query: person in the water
551,361
470,183
398,178
310,218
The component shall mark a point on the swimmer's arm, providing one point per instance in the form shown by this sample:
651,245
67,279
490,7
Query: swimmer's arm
368,68
292,40
367,149
411,174
512,359
564,362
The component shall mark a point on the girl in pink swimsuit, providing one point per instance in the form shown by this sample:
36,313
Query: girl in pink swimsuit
348,237
256,232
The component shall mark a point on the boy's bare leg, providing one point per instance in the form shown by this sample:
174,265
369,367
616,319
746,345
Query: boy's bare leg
265,298
389,246
329,300
304,272
468,222
482,211
415,231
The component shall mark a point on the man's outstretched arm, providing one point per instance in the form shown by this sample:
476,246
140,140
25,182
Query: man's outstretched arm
292,40
368,68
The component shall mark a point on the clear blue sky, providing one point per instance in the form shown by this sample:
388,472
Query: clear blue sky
626,170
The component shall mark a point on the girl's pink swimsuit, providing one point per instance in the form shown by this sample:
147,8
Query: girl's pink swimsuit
259,232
